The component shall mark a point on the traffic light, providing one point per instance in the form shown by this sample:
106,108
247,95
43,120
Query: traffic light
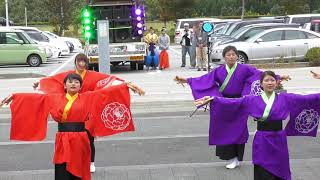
88,24
138,24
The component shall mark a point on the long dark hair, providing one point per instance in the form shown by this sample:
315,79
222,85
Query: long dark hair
73,76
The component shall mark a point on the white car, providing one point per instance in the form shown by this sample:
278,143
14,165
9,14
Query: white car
271,44
43,38
76,42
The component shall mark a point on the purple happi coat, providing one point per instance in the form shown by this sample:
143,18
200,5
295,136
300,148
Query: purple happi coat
270,151
239,84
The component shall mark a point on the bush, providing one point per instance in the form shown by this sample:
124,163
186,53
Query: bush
313,56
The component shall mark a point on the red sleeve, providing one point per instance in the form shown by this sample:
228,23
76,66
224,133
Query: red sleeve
54,84
110,110
29,117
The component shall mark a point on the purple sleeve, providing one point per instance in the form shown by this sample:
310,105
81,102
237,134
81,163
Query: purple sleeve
228,121
204,86
304,114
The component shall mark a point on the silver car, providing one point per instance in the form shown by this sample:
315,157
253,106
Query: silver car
278,43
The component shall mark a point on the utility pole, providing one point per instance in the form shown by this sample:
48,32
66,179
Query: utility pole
26,15
7,14
62,20
242,14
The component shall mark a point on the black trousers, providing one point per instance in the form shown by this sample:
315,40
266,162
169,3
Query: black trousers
92,147
262,174
61,173
231,151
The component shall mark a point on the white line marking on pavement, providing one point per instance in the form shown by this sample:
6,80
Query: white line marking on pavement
63,65
105,139
153,166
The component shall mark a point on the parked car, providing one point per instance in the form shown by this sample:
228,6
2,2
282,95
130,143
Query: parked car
248,31
15,48
286,43
70,45
76,42
301,18
314,25
41,37
192,22
231,27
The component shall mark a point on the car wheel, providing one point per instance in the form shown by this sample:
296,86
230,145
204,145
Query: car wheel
242,59
34,60
133,65
140,66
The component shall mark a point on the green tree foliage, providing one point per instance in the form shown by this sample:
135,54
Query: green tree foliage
50,10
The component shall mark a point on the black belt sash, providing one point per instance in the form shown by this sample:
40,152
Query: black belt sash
232,96
269,125
71,127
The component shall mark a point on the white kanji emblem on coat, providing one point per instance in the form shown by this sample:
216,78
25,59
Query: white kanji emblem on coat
116,116
256,88
307,121
104,82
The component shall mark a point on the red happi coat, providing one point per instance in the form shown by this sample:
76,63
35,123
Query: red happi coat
29,121
91,81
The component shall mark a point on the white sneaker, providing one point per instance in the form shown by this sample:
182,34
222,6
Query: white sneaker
233,163
92,167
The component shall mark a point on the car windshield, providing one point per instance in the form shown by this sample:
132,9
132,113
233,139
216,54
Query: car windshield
225,28
28,38
38,36
239,32
229,31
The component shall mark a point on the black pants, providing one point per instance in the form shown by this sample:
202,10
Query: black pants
61,173
93,148
228,152
261,174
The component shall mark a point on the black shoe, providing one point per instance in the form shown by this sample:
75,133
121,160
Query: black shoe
183,65
204,69
199,69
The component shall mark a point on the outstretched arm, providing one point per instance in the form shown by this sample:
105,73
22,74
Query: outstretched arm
135,88
315,75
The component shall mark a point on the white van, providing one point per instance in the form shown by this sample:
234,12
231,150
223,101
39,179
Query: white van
192,22
301,18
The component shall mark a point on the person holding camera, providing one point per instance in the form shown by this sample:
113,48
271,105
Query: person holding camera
186,43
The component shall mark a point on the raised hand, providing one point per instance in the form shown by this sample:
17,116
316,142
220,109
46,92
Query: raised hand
180,80
7,100
203,101
35,85
285,78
